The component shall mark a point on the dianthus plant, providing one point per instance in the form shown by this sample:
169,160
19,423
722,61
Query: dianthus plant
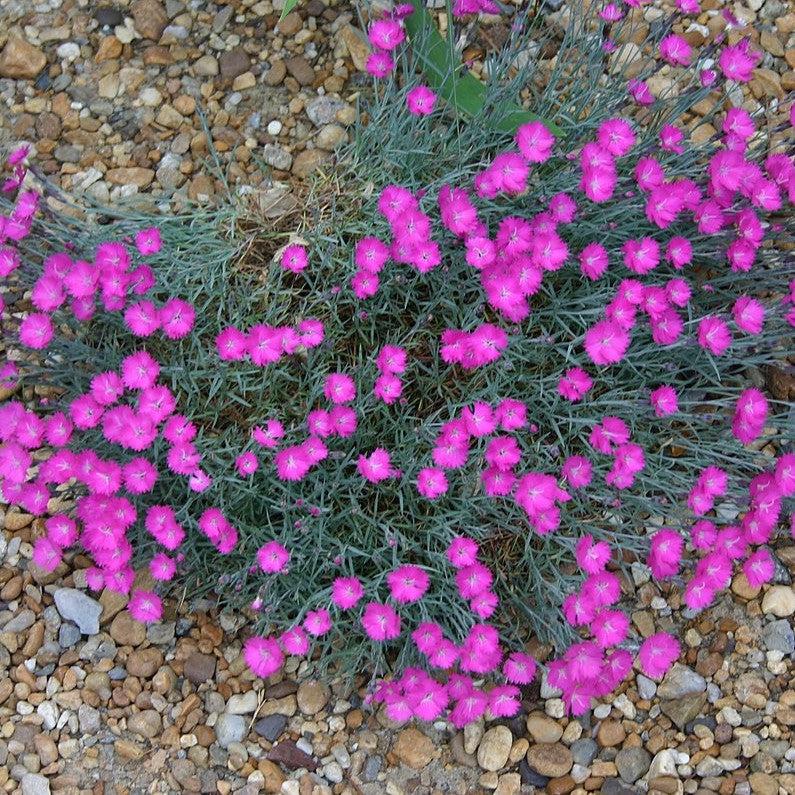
428,436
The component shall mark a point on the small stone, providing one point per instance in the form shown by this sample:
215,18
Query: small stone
34,784
206,66
543,729
550,759
242,703
646,687
413,748
88,719
244,81
308,161
144,663
323,110
274,127
301,70
331,137
109,49
288,753
681,681
108,17
663,764
199,667
147,723
271,727
80,608
779,636
357,45
230,729
150,18
170,117
632,763
473,734
312,696
682,710
234,63
126,631
277,73
584,751
779,600
610,734
20,60
763,784
494,748
277,156
131,175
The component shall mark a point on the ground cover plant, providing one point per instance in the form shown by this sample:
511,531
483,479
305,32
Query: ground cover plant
443,417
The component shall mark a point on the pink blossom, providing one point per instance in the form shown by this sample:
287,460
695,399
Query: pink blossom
577,471
346,592
664,401
606,342
145,606
317,622
714,335
263,656
376,467
148,241
592,556
535,141
574,384
676,50
379,63
386,34
272,557
431,482
407,583
759,568
339,388
380,622
665,553
657,654
36,331
420,100
294,258
616,136
462,552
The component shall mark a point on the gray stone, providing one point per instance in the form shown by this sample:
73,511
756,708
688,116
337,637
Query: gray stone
68,635
76,606
276,156
779,636
372,767
242,703
107,16
323,110
584,751
230,729
682,710
681,681
632,763
34,784
20,622
271,727
161,633
646,687
88,719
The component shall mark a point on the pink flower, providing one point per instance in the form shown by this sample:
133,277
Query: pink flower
759,568
574,384
676,50
346,592
511,414
148,241
610,627
431,482
749,314
294,641
577,471
379,63
657,654
714,335
738,61
139,370
162,567
292,463
616,136
231,344
503,453
407,583
519,668
535,142
592,556
380,622
473,580
391,359
665,553
145,606
46,555
317,622
176,318
420,101
462,552
269,435
593,261
375,467
388,388
606,342
386,34
246,464
294,258
263,656
272,557
36,331
664,401
339,388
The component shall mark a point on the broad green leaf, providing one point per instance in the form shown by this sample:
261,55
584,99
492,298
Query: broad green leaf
452,81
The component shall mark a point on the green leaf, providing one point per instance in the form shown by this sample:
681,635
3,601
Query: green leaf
448,77
289,5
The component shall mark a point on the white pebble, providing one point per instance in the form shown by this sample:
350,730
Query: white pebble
274,127
68,51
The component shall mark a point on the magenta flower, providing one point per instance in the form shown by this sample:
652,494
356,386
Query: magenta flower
657,654
263,656
294,258
407,583
421,101
145,606
380,622
431,482
664,401
346,592
317,622
676,51
606,342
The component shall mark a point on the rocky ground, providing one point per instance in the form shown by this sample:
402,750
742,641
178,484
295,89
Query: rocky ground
93,702
114,96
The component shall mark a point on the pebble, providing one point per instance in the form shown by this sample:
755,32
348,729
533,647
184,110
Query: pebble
494,748
34,784
543,729
80,608
413,748
271,727
312,696
229,729
632,763
681,681
779,600
550,759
